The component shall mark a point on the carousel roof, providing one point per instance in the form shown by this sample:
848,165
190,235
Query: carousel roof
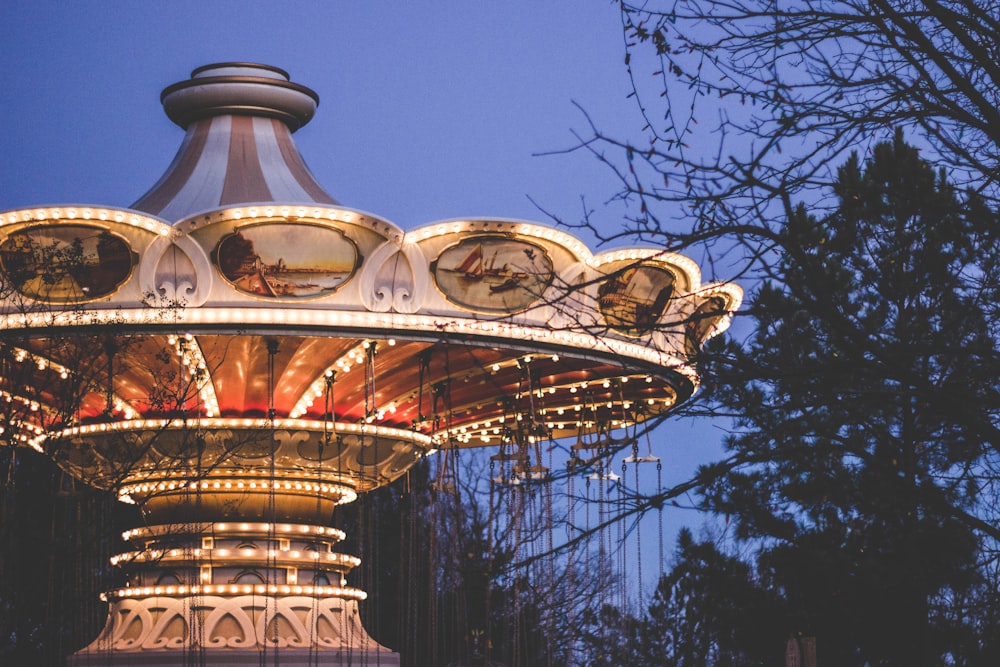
238,146
261,288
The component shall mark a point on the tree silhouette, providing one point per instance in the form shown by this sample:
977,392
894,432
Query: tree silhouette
867,404
747,104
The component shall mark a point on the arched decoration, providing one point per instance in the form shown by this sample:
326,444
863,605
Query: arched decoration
375,453
169,577
318,450
67,263
390,280
248,576
175,272
275,260
635,295
493,273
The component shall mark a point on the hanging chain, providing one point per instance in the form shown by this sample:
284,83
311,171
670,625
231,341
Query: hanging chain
638,533
622,544
659,511
271,562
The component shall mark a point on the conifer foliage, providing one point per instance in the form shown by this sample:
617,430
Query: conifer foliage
859,483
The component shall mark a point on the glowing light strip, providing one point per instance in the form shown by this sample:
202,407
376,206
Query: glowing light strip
188,349
219,557
316,425
292,530
691,270
42,363
501,226
353,357
343,592
63,215
338,492
238,319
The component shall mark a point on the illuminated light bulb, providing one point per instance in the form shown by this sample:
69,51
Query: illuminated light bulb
496,367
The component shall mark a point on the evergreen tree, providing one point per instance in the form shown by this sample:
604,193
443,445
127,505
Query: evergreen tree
710,609
868,402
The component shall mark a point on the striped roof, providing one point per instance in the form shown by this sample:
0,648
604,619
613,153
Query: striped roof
238,148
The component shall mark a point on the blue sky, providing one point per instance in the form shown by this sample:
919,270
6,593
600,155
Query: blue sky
429,109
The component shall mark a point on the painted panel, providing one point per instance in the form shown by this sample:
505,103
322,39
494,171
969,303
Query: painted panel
66,263
706,316
493,273
634,296
287,261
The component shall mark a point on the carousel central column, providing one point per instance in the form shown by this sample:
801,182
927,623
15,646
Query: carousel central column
234,561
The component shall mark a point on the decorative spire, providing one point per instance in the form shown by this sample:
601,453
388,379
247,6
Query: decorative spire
238,149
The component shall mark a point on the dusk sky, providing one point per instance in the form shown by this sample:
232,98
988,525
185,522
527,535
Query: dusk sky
428,110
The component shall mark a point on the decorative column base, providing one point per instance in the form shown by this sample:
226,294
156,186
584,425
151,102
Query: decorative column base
234,630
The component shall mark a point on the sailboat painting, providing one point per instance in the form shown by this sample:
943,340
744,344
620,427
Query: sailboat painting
287,261
634,296
493,273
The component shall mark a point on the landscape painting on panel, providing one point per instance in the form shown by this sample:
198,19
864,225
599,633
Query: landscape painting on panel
66,263
287,261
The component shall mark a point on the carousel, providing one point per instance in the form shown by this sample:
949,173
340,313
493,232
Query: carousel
237,354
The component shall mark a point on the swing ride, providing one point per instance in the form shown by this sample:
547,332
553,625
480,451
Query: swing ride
237,354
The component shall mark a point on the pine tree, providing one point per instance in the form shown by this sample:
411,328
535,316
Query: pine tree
868,401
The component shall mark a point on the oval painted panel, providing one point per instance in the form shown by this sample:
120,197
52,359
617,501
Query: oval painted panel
493,273
635,296
704,319
66,263
287,260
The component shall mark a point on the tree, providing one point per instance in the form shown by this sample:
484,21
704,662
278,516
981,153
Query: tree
860,473
751,101
711,608
867,406
55,540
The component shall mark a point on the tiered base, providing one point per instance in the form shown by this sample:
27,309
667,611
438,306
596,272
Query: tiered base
237,630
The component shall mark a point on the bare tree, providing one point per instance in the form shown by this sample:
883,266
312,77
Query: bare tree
748,103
